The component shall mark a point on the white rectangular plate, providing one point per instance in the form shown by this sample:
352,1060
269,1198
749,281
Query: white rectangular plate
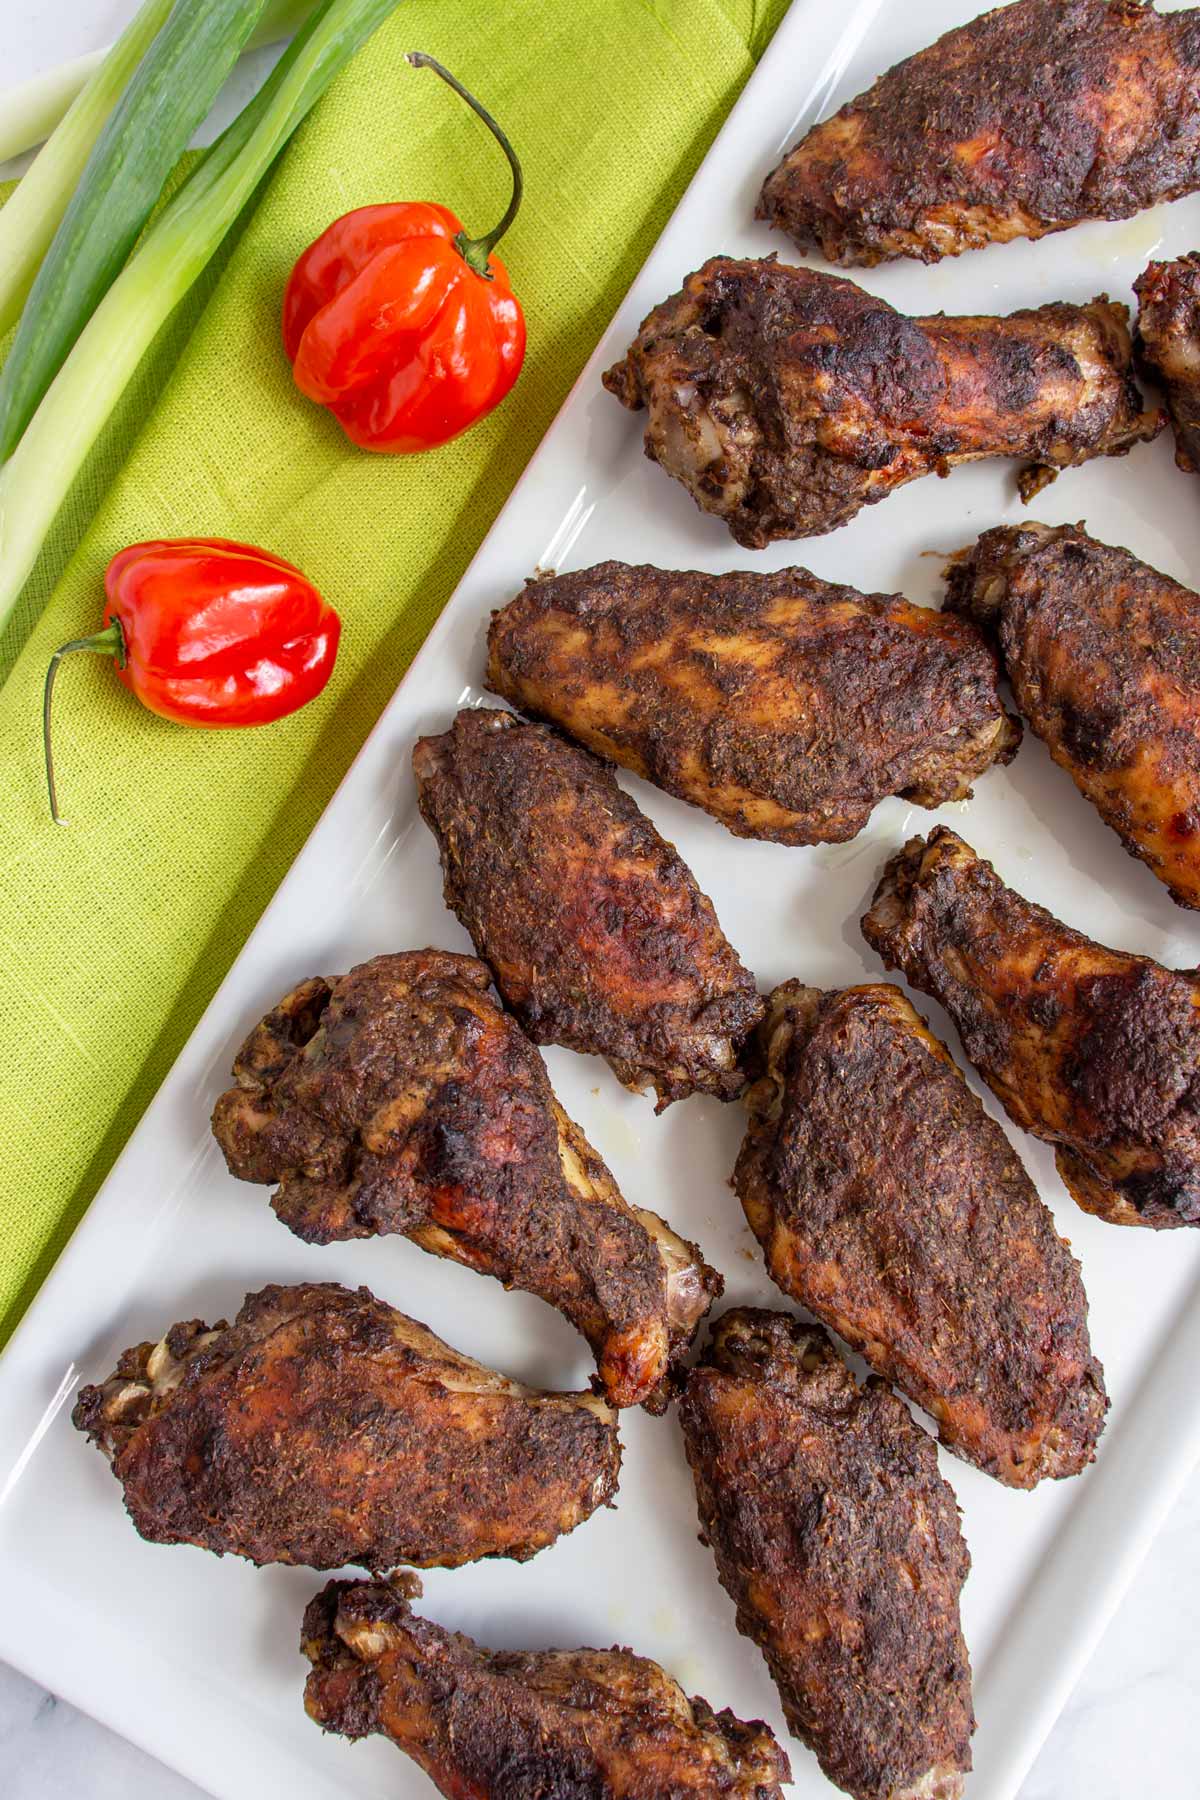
197,1659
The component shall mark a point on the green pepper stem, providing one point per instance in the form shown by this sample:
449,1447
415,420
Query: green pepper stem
109,642
475,251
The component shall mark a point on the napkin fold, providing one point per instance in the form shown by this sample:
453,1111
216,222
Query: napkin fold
115,932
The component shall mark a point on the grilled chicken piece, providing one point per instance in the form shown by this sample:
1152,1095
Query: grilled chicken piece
1095,1050
1103,654
783,705
401,1099
594,928
839,1543
1034,117
1168,346
324,1428
514,1724
890,1205
785,400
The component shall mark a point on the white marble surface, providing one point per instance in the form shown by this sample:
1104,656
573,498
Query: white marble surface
1132,1728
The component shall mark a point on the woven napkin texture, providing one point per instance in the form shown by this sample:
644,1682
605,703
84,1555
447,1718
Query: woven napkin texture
115,932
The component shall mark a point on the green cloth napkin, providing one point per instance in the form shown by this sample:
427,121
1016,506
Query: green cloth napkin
116,931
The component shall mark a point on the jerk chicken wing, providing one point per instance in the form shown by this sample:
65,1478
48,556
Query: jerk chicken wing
839,1543
785,400
400,1098
594,929
888,1203
1034,117
1168,346
323,1427
1095,1050
523,1725
1103,654
785,706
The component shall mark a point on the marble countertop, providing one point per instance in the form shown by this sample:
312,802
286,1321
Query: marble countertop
1132,1726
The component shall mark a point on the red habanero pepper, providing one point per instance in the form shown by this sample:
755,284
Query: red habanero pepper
207,632
405,328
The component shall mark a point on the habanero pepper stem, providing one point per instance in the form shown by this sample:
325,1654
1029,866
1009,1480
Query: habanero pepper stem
110,642
475,251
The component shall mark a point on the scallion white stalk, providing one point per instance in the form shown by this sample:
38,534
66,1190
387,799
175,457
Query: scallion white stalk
37,477
30,111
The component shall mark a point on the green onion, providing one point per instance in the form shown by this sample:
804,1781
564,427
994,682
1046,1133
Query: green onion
30,219
172,90
37,106
37,477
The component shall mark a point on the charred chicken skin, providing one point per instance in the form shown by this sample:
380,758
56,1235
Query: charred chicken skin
523,1725
1103,654
839,1543
1168,346
323,1427
785,706
1095,1050
1032,118
593,927
400,1098
890,1205
785,400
